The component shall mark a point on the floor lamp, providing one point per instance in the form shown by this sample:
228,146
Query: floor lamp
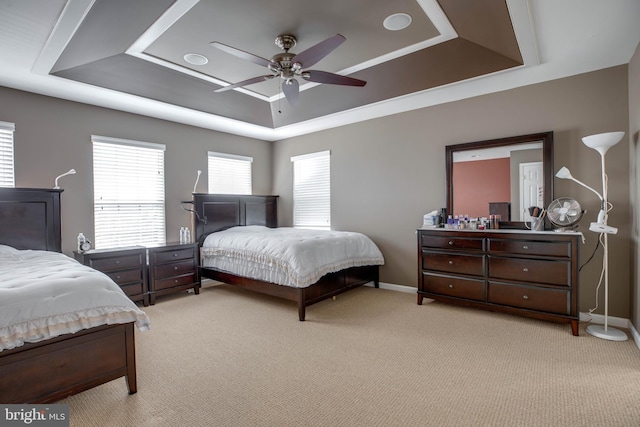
601,143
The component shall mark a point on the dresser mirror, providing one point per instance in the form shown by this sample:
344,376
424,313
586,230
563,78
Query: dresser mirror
484,177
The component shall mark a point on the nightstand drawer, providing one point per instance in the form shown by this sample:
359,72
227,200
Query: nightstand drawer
116,263
133,289
532,298
174,269
174,255
172,282
126,276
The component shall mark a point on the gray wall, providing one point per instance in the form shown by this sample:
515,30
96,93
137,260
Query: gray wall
53,136
386,173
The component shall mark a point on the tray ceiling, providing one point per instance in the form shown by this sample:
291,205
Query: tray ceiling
136,50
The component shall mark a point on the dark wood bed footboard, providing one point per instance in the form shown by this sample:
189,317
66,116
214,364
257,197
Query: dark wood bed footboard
328,286
51,370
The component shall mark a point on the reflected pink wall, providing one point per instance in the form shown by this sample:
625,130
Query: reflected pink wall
472,196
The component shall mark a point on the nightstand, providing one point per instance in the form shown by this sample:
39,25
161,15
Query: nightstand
173,268
125,266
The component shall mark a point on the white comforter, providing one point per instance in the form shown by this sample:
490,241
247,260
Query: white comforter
287,256
47,294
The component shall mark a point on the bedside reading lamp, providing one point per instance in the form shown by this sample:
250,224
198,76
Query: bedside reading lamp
71,172
197,179
601,143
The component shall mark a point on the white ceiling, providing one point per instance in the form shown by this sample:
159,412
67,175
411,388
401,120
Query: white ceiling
556,38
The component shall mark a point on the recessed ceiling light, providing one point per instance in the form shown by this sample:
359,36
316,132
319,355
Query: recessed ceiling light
195,59
397,21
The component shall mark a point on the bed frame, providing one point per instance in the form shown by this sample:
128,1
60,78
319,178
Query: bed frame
51,370
215,212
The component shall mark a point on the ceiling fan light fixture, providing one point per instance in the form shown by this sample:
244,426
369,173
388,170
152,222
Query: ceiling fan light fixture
397,21
196,59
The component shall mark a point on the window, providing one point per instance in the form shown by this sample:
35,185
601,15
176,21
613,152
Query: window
7,176
229,173
128,187
312,190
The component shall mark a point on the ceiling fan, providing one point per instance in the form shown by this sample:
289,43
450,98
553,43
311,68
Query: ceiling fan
288,65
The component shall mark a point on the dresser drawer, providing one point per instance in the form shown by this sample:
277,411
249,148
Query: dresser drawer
174,269
540,299
526,247
126,276
172,282
453,263
117,262
450,242
173,255
453,286
530,270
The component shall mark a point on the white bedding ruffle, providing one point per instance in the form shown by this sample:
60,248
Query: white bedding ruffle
47,294
287,256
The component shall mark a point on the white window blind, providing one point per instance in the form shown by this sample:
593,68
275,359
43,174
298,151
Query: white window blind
312,190
7,175
128,186
229,173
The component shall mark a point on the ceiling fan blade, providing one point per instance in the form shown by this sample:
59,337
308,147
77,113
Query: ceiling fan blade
245,83
330,78
316,52
291,91
242,54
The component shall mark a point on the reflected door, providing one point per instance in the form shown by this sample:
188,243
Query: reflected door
531,188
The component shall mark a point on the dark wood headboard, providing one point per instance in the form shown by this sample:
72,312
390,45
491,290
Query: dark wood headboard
30,218
215,212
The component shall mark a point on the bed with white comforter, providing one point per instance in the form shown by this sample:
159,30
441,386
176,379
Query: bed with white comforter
47,294
287,256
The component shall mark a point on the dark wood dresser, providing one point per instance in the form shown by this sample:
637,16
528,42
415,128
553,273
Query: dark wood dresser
126,266
173,268
533,274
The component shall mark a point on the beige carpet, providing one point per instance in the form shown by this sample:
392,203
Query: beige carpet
373,357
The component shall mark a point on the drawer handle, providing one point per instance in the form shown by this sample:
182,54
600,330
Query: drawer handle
525,297
175,254
525,247
450,242
525,269
118,277
450,262
451,285
175,281
175,268
117,261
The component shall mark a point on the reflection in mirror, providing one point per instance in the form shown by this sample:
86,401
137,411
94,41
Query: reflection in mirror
503,176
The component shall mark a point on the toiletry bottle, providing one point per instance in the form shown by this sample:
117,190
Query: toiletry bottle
81,240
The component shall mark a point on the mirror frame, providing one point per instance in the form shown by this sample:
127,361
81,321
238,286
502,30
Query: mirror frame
547,169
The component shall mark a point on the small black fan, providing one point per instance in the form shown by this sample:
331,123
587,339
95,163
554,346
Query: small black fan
564,213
